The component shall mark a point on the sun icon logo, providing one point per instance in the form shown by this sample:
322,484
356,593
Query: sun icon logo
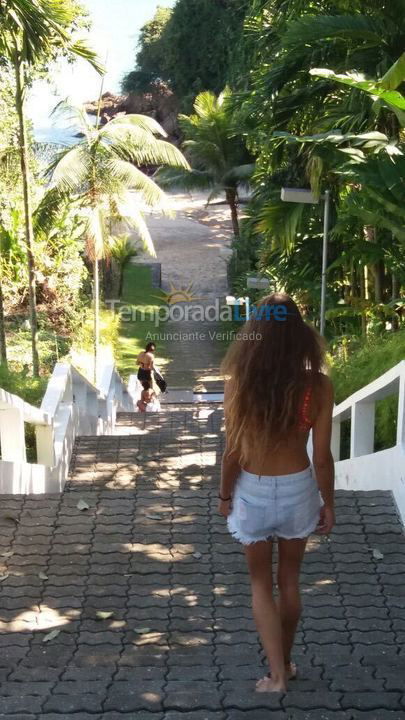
179,295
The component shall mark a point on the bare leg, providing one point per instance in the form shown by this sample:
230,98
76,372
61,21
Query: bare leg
265,612
290,554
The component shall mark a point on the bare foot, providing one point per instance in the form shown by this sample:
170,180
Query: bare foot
290,673
267,684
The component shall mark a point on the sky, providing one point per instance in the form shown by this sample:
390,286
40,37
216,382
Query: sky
114,35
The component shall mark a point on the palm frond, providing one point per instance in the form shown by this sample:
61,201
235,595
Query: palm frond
134,141
239,174
135,120
74,116
95,233
128,213
310,29
48,210
183,179
130,177
70,170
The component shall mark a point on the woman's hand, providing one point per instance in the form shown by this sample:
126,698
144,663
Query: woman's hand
326,520
225,507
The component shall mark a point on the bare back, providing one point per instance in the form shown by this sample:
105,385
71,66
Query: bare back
146,360
290,454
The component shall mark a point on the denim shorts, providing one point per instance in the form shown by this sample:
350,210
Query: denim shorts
269,506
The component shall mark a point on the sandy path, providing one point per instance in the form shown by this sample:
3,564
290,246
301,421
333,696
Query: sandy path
188,248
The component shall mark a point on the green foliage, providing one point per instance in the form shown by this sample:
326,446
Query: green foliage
152,56
18,383
365,363
138,295
193,47
39,32
122,250
217,153
100,171
307,131
383,90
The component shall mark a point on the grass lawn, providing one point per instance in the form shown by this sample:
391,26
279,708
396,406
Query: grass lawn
138,294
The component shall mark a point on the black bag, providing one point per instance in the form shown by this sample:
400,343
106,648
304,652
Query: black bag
160,381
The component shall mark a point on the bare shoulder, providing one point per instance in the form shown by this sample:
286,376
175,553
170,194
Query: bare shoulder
326,386
324,395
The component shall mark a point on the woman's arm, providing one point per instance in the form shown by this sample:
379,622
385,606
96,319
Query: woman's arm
230,468
322,457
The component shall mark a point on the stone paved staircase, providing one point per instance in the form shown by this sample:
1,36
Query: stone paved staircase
179,642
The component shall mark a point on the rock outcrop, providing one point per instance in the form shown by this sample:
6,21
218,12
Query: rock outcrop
161,104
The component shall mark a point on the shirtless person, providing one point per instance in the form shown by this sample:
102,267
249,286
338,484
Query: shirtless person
146,360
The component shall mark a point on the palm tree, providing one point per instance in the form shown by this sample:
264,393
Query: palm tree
122,250
99,173
216,152
31,34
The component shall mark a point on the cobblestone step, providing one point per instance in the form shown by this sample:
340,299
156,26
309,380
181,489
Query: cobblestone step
138,607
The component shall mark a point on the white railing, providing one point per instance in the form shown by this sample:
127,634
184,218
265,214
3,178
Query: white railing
366,469
71,406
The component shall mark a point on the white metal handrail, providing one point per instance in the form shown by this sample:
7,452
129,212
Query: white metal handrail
366,469
71,406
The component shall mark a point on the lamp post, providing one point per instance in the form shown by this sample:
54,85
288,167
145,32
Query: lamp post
231,300
301,195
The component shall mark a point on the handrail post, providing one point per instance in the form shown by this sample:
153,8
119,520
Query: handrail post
335,440
45,439
12,435
401,410
362,428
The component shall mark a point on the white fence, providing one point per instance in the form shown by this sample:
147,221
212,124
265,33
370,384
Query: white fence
71,406
366,469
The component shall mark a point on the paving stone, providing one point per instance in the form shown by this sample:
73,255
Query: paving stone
255,714
17,705
69,716
195,715
13,688
129,697
140,715
85,702
193,695
318,714
377,714
312,700
242,696
371,701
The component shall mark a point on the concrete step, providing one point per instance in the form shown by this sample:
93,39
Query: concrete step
173,418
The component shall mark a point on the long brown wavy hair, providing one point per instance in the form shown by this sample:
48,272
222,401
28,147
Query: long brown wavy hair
276,357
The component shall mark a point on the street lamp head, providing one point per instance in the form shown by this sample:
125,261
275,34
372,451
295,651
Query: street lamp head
299,195
258,283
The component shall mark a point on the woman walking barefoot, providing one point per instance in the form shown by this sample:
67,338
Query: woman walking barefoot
275,393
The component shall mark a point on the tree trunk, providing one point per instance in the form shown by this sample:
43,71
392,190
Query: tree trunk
378,274
377,268
395,287
3,345
395,292
29,231
231,198
121,281
96,308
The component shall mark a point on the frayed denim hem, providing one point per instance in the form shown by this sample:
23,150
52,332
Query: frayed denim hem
245,540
